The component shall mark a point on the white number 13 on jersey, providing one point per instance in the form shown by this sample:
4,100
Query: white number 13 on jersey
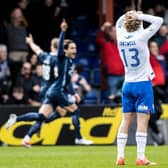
133,53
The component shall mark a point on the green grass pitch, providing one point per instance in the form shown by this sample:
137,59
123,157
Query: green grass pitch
76,157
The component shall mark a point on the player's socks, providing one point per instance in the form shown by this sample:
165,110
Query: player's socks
76,123
34,128
27,138
31,117
121,143
141,140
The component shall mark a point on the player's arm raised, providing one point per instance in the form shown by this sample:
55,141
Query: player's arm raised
154,26
64,27
119,25
36,49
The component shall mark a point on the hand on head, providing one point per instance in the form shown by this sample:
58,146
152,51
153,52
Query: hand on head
131,21
131,15
139,12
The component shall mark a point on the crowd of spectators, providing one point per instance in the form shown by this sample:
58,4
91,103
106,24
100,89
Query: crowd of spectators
20,73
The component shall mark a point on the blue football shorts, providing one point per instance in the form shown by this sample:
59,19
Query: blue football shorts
57,99
138,97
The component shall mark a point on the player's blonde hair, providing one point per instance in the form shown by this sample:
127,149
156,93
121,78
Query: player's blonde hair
54,42
131,25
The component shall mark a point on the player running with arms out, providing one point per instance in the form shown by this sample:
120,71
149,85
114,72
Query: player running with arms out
57,92
137,93
35,128
46,60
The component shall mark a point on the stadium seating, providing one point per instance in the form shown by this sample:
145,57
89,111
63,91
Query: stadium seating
95,77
